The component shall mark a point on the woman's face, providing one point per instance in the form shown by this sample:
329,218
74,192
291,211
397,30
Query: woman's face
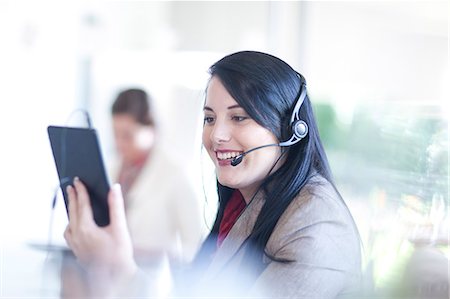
228,131
133,140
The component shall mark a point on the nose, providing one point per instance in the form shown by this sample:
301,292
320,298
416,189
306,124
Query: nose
220,132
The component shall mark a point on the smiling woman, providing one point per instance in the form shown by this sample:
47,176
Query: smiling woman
282,229
229,131
294,233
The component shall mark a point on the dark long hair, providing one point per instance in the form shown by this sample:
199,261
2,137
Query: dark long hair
267,89
136,103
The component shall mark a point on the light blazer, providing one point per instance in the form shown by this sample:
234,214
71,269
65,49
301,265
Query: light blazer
316,231
162,209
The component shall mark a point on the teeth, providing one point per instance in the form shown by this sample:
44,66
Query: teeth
227,155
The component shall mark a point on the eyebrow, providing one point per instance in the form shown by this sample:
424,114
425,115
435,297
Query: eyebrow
230,107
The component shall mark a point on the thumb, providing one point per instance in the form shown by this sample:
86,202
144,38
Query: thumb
116,206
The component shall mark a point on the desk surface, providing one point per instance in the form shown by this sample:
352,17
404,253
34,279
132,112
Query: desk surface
29,273
33,272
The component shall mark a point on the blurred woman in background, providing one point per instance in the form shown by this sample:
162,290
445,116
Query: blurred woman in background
162,210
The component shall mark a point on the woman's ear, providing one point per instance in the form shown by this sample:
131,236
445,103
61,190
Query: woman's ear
145,138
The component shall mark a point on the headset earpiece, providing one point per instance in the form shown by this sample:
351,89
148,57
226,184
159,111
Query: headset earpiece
300,129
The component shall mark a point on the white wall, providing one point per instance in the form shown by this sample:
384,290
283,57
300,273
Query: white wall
38,76
369,51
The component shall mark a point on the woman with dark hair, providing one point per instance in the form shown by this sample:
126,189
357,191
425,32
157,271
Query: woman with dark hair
134,134
162,220
282,229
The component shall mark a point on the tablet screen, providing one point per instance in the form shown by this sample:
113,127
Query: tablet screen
77,153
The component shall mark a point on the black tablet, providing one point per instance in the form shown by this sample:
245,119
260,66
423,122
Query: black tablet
77,153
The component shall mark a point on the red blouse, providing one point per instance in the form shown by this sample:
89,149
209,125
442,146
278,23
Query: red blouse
234,208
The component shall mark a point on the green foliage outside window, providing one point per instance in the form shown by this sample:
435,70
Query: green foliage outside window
399,147
393,159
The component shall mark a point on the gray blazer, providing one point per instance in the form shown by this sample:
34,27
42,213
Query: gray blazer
316,231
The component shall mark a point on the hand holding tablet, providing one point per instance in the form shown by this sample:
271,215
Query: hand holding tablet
77,154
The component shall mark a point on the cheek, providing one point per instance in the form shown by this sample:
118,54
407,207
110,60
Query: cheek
120,142
257,137
263,158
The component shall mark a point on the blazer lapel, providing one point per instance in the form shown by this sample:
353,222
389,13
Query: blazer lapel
236,237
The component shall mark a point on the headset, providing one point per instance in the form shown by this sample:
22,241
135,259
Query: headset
299,128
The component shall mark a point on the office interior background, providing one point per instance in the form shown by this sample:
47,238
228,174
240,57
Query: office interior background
377,73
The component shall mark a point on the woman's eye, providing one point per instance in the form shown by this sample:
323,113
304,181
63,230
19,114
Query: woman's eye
239,118
208,119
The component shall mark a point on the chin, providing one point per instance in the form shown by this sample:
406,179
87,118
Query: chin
228,182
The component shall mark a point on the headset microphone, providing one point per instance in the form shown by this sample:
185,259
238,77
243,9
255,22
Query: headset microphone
299,130
238,159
